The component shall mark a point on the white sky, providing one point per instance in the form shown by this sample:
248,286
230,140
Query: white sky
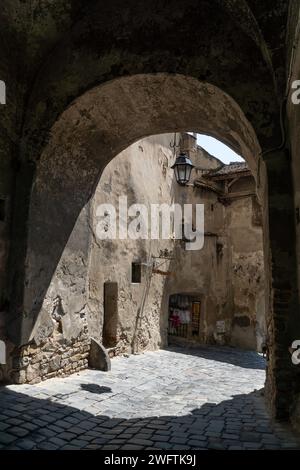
218,149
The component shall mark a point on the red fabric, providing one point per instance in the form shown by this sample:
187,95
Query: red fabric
175,320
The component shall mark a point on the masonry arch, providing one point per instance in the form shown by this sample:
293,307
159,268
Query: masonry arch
95,128
89,133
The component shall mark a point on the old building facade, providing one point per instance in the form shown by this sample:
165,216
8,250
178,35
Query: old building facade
226,275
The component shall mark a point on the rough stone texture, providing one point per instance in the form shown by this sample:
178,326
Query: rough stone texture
143,174
177,399
98,357
228,273
51,354
293,115
248,274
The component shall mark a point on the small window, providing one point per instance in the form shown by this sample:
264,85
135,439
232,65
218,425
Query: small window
2,210
136,273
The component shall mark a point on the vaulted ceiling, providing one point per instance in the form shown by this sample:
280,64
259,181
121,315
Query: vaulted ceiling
52,51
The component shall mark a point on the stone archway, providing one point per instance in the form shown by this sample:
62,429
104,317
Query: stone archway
95,128
98,126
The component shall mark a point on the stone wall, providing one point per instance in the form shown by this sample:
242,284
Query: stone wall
6,173
60,346
141,173
203,273
59,340
293,112
228,273
245,232
55,358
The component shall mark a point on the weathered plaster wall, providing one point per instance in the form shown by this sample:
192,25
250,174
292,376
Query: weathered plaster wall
59,342
141,173
224,279
228,273
203,272
247,279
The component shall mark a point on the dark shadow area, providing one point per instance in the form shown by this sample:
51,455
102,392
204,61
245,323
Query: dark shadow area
227,354
240,423
94,388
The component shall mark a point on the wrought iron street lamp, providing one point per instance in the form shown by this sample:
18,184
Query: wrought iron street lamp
182,168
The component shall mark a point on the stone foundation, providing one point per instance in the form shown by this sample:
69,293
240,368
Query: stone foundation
56,358
55,351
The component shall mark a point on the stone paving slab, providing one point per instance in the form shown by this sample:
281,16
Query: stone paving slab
200,398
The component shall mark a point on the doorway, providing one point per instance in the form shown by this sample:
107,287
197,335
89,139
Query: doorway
184,316
110,317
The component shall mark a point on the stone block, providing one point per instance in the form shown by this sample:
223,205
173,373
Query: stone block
55,363
43,328
98,357
33,371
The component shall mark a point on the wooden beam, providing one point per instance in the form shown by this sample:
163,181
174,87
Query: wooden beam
230,183
238,194
208,185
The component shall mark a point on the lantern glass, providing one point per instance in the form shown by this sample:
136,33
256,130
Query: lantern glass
182,168
181,171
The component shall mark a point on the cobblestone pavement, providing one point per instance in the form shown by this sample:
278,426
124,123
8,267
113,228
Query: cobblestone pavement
168,399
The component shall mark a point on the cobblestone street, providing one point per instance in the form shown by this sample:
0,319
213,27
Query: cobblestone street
208,398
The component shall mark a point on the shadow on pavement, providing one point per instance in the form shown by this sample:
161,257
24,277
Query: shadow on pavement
246,359
28,422
94,388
